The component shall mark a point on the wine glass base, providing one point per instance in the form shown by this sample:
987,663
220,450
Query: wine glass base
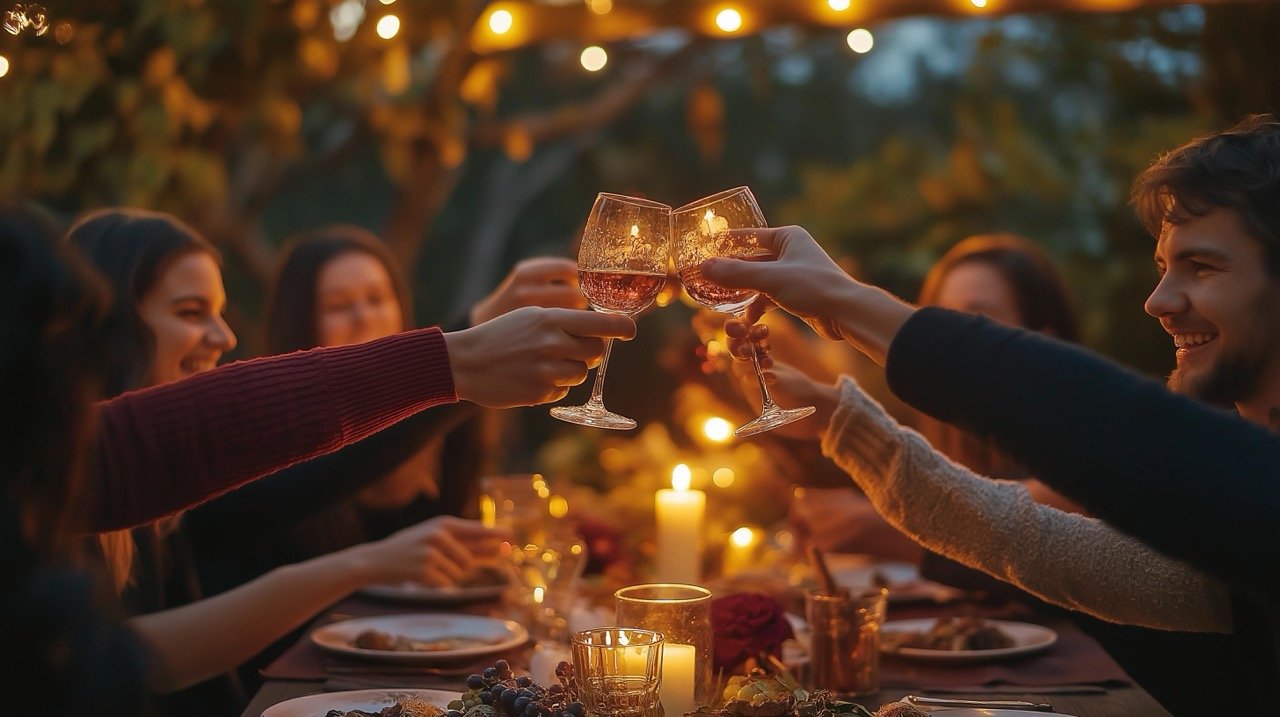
587,415
774,419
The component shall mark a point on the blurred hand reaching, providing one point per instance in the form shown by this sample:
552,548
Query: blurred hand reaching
550,282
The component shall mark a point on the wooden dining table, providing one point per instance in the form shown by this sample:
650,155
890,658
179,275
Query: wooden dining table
1112,698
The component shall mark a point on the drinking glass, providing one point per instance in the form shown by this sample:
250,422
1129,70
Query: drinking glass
844,643
713,227
622,265
618,671
682,613
548,559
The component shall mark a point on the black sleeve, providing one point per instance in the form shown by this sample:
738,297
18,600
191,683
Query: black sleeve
294,493
1198,483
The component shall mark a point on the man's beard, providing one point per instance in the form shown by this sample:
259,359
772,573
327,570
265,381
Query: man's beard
1234,378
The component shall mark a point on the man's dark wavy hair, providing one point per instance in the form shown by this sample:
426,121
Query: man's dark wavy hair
1238,169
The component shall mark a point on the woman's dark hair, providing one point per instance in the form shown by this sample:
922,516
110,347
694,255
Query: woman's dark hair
1237,169
1038,288
132,248
1043,305
291,309
52,311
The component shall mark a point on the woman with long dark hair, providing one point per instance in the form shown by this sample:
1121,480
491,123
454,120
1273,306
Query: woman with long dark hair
160,450
166,324
1011,280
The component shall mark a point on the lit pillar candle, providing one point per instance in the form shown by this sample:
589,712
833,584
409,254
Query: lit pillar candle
678,678
740,550
680,512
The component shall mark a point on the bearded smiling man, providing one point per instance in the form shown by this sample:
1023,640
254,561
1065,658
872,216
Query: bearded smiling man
1197,484
1217,220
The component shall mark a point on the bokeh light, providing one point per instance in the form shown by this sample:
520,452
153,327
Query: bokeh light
388,27
861,41
594,58
500,22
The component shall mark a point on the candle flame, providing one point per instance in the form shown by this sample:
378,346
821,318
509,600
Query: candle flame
717,430
635,230
681,476
539,593
743,537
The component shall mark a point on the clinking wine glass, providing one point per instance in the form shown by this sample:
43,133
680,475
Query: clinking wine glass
713,227
622,265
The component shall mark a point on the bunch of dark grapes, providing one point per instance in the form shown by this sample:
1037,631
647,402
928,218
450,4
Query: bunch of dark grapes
497,692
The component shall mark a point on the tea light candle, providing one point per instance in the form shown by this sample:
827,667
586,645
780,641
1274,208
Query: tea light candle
546,655
680,513
740,550
677,678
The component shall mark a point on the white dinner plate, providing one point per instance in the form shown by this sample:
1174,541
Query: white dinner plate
1027,639
497,635
858,573
427,595
366,700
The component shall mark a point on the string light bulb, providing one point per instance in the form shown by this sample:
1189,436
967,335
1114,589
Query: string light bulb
729,20
500,22
978,3
594,59
838,5
861,41
388,27
4,65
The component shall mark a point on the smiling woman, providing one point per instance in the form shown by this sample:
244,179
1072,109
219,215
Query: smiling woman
167,301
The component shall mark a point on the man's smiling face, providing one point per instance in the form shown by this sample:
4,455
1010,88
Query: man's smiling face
1221,305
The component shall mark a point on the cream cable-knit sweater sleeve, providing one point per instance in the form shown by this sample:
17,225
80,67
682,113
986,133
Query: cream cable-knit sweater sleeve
995,526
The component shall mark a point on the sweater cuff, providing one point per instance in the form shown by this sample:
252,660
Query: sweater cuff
376,384
860,430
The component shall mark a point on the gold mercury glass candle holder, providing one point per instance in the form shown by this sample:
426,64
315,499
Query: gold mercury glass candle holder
682,613
618,671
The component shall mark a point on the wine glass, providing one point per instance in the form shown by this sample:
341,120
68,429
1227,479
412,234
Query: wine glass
622,265
712,227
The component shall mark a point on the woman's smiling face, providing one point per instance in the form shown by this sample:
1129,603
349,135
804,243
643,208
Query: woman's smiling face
184,312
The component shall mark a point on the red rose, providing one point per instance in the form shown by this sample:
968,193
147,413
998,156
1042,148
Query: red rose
604,544
745,625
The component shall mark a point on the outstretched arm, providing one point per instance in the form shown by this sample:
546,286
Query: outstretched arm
996,526
232,627
167,448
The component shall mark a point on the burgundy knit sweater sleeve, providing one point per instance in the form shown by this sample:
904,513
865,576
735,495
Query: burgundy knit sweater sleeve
167,448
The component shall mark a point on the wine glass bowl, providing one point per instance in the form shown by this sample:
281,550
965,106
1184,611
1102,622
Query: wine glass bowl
622,266
721,226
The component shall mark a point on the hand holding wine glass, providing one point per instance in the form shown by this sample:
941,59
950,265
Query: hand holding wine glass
622,265
725,225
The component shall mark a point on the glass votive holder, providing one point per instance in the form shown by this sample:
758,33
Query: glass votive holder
682,613
844,650
618,671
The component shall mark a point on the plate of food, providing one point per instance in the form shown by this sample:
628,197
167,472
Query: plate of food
963,639
484,583
365,703
859,573
420,638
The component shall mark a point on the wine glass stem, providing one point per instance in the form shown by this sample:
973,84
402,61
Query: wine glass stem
766,399
597,389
